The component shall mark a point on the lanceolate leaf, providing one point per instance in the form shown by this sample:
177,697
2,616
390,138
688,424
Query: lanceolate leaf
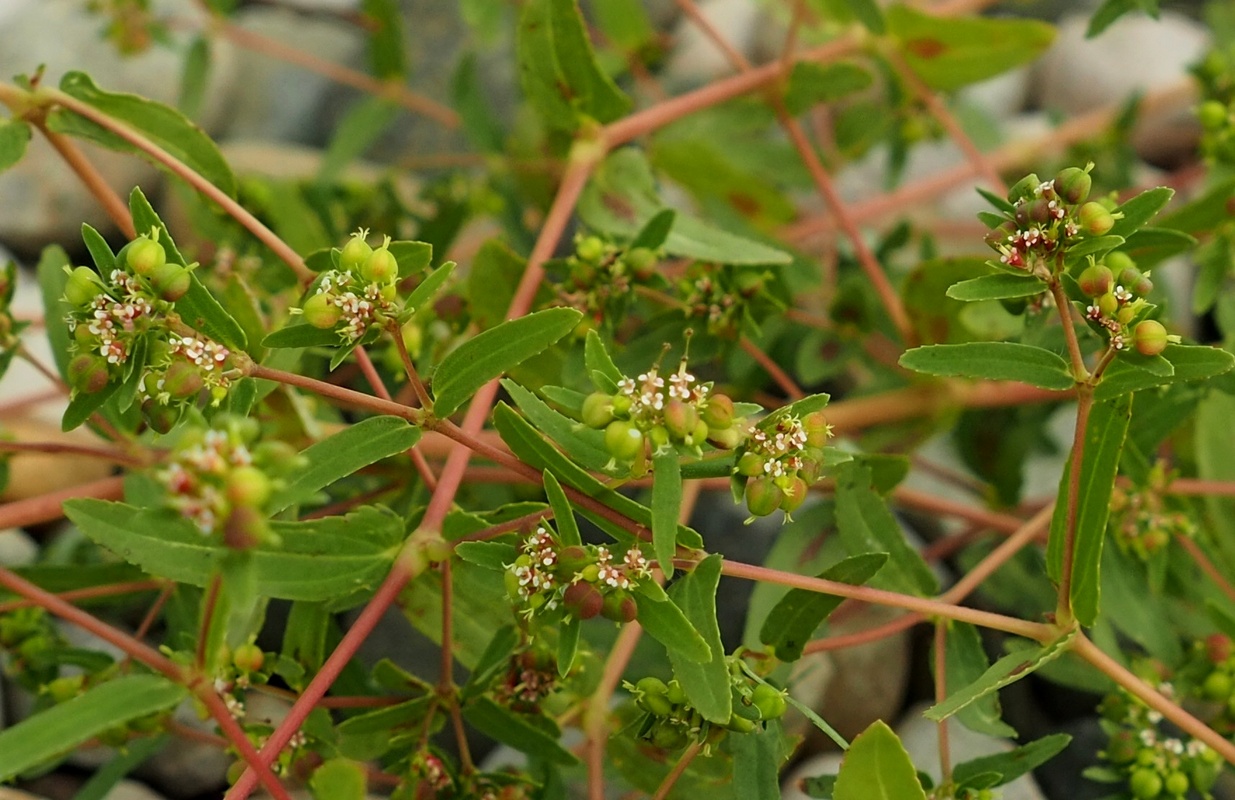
424,294
1140,209
666,503
756,763
14,136
59,729
302,334
567,644
340,455
489,354
1014,763
518,731
876,767
563,514
363,124
1104,437
100,250
667,624
706,683
1009,669
52,279
585,445
1190,362
966,662
996,287
163,125
867,526
654,232
598,361
386,42
996,361
332,558
790,624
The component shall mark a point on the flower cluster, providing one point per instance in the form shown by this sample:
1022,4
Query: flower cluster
1117,306
1216,112
782,457
1140,519
720,296
1046,218
530,677
651,412
1154,763
359,294
600,277
220,481
585,580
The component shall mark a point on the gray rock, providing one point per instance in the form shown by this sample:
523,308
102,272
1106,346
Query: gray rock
132,790
44,200
17,549
1135,54
695,59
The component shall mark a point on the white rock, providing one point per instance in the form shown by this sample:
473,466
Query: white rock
44,200
17,549
1001,96
132,790
695,59
1135,54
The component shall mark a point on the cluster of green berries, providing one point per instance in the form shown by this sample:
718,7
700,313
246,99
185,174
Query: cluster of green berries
130,314
1117,292
30,642
1216,112
650,413
9,328
1155,765
780,461
359,294
1046,218
671,723
1218,684
1140,519
600,277
222,479
585,580
720,296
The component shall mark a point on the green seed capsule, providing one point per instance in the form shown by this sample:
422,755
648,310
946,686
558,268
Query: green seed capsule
1095,219
750,464
718,413
794,495
1096,280
88,374
1212,114
171,281
248,486
655,704
320,312
1145,784
1073,184
623,440
380,267
675,693
739,724
145,255
1024,188
597,410
1217,686
1118,261
590,248
763,496
82,287
770,701
1150,337
182,380
355,253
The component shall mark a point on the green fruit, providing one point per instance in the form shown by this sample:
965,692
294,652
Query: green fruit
698,436
619,606
642,262
621,406
623,440
182,380
1177,784
763,496
770,701
245,528
1095,219
248,486
583,600
82,287
590,248
1150,337
159,417
1108,304
355,253
380,267
1212,114
726,439
1024,188
750,464
88,374
669,737
65,688
1122,748
171,282
145,256
248,658
320,312
680,418
1073,184
739,724
651,685
1118,261
1145,784
1096,280
794,495
718,412
817,431
597,410
675,693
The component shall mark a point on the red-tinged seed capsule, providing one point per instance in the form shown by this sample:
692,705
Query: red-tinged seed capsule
1040,210
642,262
248,658
380,267
794,495
82,287
750,464
355,253
1212,114
718,413
1150,337
570,560
817,431
1096,280
1095,219
171,282
88,374
145,255
159,417
583,600
725,439
1129,277
182,380
997,237
623,440
245,528
1218,647
680,418
619,606
597,410
248,486
1072,184
320,312
1118,261
763,496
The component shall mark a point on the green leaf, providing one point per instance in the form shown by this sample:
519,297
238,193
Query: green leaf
81,406
342,454
996,361
869,13
518,731
493,662
793,620
558,69
1093,245
163,125
567,644
876,767
598,363
1014,763
339,779
467,92
1112,10
195,77
105,779
1140,209
706,682
867,526
197,308
386,52
429,288
950,52
1007,670
52,279
818,722
811,83
301,334
996,287
489,354
14,136
756,763
622,198
1104,437
666,504
966,661
584,445
332,558
493,555
59,729
563,514
654,232
356,132
665,622
1189,362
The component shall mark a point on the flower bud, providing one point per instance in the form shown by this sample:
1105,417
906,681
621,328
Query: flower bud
1096,280
718,412
380,267
1095,219
145,255
597,410
1150,337
355,253
1073,184
623,440
583,600
320,312
88,373
170,281
763,496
